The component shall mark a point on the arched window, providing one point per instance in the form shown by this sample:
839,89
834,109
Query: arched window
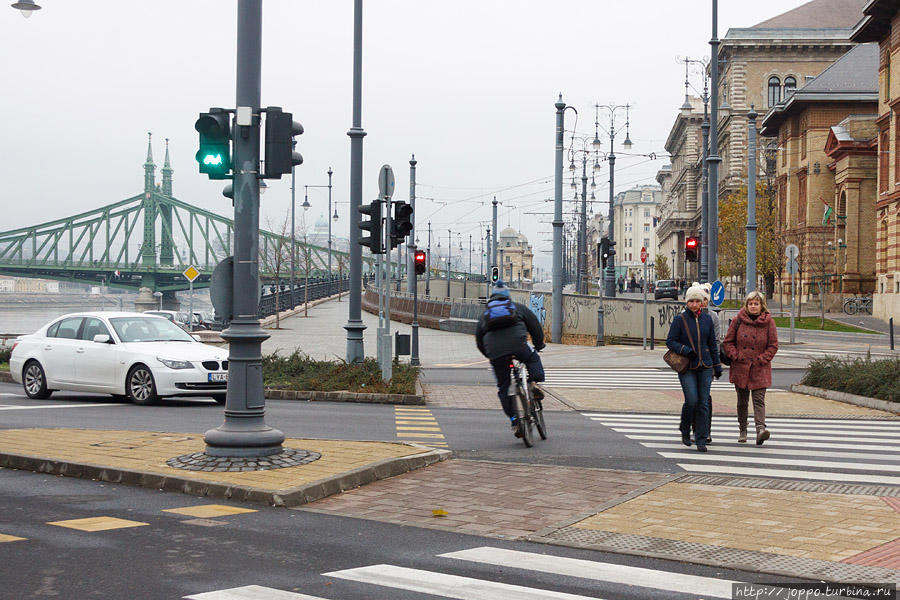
842,205
774,91
790,84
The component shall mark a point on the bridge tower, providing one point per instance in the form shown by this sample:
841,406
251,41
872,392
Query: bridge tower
166,254
148,249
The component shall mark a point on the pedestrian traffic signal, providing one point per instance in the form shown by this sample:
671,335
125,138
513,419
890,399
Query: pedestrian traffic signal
280,131
495,274
214,155
401,224
605,248
373,226
420,262
690,249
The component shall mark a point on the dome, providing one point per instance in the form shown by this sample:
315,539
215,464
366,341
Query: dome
509,232
321,225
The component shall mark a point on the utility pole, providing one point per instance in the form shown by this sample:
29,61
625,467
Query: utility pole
428,267
557,297
751,203
704,194
714,159
582,233
355,327
244,432
293,230
330,173
411,248
449,255
487,279
494,239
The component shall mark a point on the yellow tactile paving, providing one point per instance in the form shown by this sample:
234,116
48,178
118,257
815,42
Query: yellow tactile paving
778,403
815,525
10,538
97,524
209,510
148,452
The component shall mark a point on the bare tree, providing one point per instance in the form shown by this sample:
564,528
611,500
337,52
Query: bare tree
275,255
304,259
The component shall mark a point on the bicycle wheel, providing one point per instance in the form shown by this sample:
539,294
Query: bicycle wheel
848,306
537,413
525,424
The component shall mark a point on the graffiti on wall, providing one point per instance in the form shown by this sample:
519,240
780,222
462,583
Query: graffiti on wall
668,312
536,304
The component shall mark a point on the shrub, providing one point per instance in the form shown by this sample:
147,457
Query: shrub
860,376
299,372
5,354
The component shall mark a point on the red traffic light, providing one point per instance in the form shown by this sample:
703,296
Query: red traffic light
690,243
690,249
420,262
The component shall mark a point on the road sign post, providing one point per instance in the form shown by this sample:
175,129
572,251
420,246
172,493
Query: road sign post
792,253
644,289
191,273
385,191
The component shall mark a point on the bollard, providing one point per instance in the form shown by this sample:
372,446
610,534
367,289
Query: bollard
891,329
600,325
652,336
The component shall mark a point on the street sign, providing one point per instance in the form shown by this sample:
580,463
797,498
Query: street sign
791,251
643,255
386,182
792,267
221,289
191,273
717,293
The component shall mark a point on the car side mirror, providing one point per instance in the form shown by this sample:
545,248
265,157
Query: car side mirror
102,338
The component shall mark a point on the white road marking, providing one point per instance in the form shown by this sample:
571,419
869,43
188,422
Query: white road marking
764,452
889,426
251,592
707,587
843,432
782,443
42,406
791,474
447,586
780,433
787,462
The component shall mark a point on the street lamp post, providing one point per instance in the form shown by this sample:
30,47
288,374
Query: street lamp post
428,266
412,242
355,326
673,264
612,109
556,294
714,159
330,172
244,432
449,255
751,203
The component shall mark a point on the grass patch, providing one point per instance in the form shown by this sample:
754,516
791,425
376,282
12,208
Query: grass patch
298,371
4,367
860,376
816,323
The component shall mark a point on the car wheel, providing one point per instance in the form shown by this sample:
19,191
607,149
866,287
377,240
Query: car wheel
140,386
34,381
220,398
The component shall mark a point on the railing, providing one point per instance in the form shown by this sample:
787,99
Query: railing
318,288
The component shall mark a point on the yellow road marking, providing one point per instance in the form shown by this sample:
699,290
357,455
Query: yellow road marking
416,422
419,411
399,428
420,435
10,538
209,510
97,523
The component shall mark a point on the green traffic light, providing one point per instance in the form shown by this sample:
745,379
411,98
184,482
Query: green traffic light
212,159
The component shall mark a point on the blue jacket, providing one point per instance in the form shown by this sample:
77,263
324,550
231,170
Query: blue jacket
703,334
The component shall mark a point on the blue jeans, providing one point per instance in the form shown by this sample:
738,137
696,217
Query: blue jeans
695,384
532,362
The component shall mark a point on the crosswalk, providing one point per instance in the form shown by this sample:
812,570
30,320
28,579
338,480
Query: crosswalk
610,379
587,577
835,450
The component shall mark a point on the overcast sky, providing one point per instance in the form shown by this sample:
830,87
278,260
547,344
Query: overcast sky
468,86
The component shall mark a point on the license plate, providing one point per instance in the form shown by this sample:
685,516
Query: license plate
218,377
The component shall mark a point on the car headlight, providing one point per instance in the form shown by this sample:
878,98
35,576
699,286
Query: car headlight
175,364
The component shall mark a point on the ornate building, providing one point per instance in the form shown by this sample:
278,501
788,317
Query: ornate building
515,255
881,24
635,228
818,129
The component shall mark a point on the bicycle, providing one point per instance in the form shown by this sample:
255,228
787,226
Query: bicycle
529,411
858,304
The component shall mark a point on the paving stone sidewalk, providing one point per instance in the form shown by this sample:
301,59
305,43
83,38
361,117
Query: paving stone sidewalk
474,396
778,403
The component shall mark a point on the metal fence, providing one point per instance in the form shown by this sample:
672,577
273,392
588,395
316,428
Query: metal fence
318,288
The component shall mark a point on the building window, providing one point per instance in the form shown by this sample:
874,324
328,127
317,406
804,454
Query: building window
801,200
884,154
646,213
790,84
646,242
896,147
646,227
774,91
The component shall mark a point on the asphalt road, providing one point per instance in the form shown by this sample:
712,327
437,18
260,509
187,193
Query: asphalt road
175,555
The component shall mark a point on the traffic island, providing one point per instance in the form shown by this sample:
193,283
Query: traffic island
140,458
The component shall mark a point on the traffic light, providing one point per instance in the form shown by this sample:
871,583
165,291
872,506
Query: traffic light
373,226
495,274
603,251
401,224
280,131
690,249
214,155
420,262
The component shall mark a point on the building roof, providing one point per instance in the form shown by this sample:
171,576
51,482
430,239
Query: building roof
851,78
876,24
818,14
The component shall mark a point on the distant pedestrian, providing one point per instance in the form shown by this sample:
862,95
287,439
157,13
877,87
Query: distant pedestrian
751,344
717,330
633,283
692,335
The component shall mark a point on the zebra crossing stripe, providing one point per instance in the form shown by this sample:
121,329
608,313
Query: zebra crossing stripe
841,431
791,474
764,452
785,462
251,592
782,443
448,586
706,587
799,424
782,434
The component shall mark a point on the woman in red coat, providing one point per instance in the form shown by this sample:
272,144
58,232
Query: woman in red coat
751,344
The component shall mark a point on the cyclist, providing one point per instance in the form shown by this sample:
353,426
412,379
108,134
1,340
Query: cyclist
502,332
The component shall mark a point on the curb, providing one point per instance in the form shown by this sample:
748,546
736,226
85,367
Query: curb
864,401
361,397
295,496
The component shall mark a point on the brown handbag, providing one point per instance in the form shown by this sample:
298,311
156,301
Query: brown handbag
680,362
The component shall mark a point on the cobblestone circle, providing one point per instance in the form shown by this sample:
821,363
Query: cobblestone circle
200,461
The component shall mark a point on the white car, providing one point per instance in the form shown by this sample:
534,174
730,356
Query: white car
134,355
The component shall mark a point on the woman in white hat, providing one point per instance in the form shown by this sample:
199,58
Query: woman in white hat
692,335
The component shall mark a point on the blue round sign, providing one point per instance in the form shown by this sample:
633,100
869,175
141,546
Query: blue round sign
717,293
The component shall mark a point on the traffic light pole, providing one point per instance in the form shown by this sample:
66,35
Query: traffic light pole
385,341
244,432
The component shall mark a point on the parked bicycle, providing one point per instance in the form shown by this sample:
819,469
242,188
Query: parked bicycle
858,304
530,412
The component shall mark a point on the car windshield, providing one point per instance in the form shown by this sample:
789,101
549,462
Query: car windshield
148,329
666,283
